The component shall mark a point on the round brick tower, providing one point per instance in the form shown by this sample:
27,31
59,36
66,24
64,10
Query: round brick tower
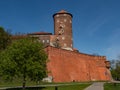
63,29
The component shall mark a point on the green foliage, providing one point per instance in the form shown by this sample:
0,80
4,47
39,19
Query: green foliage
115,69
65,86
23,58
4,38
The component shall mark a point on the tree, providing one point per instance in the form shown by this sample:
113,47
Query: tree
25,58
4,38
115,69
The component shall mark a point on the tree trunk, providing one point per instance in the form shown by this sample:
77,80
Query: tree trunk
24,78
24,81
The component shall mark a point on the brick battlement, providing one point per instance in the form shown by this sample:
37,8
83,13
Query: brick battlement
68,52
68,66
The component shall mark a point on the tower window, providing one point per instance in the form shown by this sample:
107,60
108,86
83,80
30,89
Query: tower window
58,21
63,38
65,14
57,15
65,20
57,37
65,44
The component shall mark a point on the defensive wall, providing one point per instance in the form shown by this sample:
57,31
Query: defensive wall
68,66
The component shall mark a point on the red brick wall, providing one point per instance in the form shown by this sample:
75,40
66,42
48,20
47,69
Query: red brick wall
66,66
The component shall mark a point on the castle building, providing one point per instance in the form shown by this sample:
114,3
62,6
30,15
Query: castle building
62,37
65,63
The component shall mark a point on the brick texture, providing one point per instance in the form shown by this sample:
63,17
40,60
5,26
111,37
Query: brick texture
63,28
68,66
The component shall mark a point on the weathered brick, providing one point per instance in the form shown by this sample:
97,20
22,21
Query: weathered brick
68,66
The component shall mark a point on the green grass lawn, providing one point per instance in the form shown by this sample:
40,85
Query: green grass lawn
60,86
14,84
69,87
111,86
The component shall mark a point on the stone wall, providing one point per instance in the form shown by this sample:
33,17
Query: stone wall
68,66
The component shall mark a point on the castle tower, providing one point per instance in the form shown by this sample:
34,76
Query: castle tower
63,29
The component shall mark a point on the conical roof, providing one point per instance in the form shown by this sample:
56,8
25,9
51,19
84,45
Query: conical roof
62,12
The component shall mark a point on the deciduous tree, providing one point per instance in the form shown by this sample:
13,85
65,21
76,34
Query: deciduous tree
25,58
115,69
4,38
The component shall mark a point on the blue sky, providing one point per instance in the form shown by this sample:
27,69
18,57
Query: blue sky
96,23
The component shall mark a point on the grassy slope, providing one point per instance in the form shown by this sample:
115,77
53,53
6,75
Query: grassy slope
61,86
69,87
110,86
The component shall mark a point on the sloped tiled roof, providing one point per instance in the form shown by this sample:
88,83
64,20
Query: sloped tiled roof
40,33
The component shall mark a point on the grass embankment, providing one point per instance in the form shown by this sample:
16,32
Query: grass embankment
15,84
111,86
68,87
49,86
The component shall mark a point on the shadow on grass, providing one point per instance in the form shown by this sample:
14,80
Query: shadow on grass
27,88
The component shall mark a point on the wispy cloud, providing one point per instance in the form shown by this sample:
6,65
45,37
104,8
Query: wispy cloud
113,50
96,24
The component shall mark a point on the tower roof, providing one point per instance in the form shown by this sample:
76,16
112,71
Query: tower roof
62,12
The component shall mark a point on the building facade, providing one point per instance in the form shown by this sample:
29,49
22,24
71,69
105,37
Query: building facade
67,64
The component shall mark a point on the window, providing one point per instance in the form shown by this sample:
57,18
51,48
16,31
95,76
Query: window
58,21
57,16
47,41
63,38
65,20
65,44
65,15
43,41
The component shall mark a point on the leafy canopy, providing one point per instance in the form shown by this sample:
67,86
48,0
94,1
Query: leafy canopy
25,58
115,69
4,38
